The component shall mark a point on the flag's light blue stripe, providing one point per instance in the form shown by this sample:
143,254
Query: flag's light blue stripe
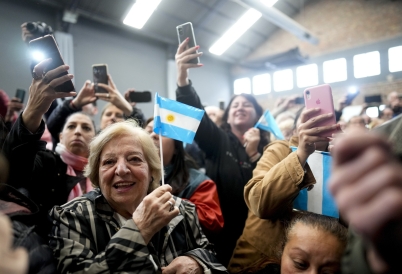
179,107
329,207
186,136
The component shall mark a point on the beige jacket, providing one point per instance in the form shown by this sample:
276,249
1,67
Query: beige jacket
269,195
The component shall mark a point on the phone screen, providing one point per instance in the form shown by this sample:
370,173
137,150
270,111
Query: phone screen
140,96
99,73
46,47
186,31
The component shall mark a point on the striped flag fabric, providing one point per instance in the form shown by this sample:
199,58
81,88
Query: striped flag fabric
267,122
319,199
176,120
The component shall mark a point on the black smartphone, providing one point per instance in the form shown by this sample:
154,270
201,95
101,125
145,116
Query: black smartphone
350,97
141,96
222,105
46,47
99,75
186,31
20,94
373,99
299,101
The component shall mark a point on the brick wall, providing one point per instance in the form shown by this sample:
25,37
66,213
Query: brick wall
338,24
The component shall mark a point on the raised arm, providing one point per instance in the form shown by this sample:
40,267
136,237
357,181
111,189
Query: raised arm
276,181
186,94
58,116
281,174
23,141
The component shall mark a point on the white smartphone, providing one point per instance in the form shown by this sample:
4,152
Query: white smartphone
186,30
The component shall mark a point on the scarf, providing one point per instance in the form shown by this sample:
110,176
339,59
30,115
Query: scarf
73,162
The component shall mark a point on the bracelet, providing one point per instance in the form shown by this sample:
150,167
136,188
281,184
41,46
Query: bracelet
255,157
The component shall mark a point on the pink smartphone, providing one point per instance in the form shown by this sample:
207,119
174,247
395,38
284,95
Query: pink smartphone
321,97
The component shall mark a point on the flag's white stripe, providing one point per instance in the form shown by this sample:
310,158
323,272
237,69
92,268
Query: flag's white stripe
180,120
314,201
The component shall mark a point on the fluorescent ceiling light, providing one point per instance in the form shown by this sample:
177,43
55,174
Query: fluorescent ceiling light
235,32
140,13
269,3
238,29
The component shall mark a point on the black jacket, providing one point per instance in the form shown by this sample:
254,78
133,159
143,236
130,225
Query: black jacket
40,255
228,165
39,173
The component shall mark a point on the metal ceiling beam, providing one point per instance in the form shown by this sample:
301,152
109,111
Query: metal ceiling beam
227,17
281,20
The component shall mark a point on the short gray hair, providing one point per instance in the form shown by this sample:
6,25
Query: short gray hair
118,130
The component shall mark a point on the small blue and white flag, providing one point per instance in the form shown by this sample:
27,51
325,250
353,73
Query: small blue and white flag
176,120
319,199
267,122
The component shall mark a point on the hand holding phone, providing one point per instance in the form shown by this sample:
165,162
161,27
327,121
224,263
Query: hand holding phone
99,75
321,97
185,31
45,47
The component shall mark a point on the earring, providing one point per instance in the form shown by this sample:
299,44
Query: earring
152,180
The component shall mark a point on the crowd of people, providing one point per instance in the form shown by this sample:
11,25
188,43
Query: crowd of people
92,201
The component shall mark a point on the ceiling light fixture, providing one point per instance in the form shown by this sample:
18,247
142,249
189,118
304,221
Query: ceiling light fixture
140,13
235,32
238,29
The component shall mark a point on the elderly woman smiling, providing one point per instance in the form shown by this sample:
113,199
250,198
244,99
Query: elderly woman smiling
129,223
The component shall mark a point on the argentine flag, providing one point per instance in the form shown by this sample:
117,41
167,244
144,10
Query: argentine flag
176,120
267,122
319,199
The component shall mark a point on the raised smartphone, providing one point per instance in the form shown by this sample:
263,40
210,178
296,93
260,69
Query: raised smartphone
46,47
141,96
350,97
186,31
20,94
99,75
321,97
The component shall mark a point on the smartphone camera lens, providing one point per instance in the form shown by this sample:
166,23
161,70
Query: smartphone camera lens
308,95
180,31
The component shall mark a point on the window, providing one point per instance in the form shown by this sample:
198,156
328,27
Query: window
262,84
307,76
283,80
395,59
366,64
242,85
372,112
335,70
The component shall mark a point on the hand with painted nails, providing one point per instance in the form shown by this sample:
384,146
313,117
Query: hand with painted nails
183,56
42,92
310,135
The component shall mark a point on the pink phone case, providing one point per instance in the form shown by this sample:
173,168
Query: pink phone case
321,97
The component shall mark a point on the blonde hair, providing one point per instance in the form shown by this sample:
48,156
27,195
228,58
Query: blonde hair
118,130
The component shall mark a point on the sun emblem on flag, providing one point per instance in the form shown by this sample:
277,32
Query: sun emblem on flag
170,118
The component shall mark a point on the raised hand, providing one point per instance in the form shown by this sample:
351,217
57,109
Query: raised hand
85,96
114,96
42,93
182,57
155,211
